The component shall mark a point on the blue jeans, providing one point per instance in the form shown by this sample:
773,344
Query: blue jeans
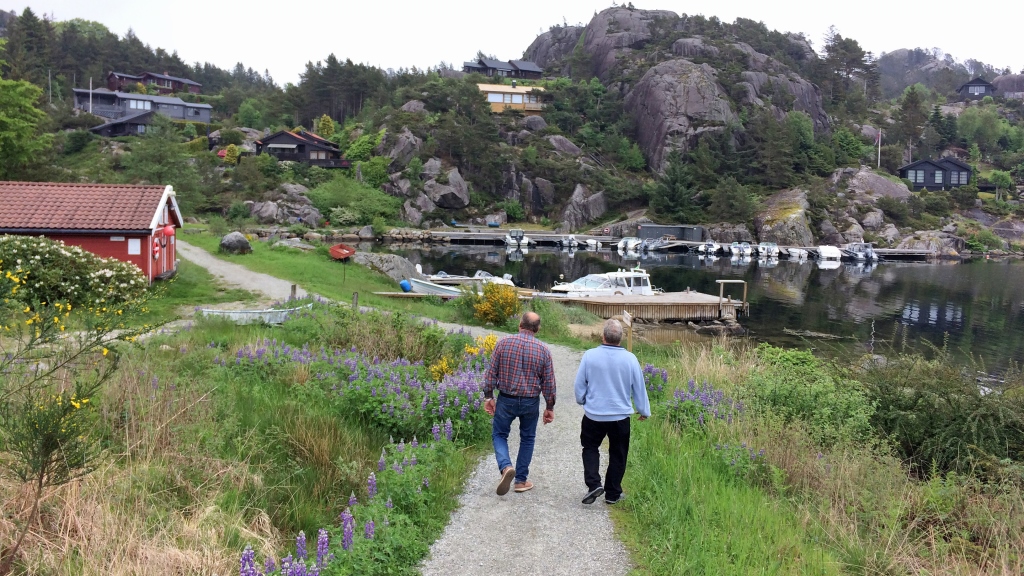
507,410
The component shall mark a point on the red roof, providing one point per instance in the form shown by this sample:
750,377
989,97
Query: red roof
27,206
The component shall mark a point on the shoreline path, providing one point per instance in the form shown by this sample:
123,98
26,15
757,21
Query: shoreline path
546,530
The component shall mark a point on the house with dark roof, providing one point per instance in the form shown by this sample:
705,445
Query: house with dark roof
941,174
976,89
499,69
304,147
164,83
118,105
134,224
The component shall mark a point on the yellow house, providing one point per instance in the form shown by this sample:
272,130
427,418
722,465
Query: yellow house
502,96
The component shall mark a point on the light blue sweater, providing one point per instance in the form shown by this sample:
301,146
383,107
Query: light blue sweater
608,382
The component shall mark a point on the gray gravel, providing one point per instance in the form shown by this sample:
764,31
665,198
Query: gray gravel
237,276
546,530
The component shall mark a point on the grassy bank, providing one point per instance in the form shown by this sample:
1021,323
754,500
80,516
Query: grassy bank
812,458
191,286
222,436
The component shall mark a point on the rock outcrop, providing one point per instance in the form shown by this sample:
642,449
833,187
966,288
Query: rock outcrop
830,234
694,48
414,106
414,210
563,145
235,243
1009,83
289,205
553,45
431,169
873,220
454,195
942,243
391,265
543,196
784,220
533,123
615,32
867,186
402,149
674,102
725,233
583,207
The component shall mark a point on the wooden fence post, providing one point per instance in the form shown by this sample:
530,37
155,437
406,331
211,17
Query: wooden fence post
293,292
355,300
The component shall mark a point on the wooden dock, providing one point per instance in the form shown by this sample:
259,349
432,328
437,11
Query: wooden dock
662,307
497,236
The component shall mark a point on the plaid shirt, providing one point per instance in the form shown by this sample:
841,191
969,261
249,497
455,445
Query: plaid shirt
521,366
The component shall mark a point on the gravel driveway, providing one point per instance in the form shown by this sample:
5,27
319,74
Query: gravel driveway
236,275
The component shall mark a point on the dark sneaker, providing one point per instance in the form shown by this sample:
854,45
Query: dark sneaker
507,476
592,496
620,498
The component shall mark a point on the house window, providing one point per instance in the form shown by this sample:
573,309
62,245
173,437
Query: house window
938,177
141,128
976,89
134,246
318,155
193,111
916,176
140,104
517,98
964,177
532,98
492,97
507,98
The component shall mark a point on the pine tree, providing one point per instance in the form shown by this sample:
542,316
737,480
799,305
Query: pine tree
731,202
673,195
773,154
911,117
704,166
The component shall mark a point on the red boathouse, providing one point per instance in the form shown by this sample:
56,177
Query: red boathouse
131,223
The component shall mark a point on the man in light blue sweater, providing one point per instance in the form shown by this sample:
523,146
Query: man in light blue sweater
608,383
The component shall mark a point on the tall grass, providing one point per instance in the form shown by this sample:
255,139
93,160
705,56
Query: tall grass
853,497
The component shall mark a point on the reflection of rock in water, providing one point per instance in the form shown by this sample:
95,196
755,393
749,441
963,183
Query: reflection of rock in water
785,282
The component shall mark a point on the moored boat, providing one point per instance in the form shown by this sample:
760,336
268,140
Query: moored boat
633,281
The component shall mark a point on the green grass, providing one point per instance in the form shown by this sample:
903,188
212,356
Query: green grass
191,286
687,513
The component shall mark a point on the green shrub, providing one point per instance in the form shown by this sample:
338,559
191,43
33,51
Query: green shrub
344,192
940,420
362,148
514,210
413,170
796,386
379,225
238,211
77,141
374,171
229,136
965,196
197,145
896,210
343,216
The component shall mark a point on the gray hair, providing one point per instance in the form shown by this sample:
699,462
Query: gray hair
530,321
612,332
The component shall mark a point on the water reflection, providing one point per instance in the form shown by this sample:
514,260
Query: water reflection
980,303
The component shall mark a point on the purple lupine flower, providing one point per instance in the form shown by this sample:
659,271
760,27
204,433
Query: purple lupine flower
247,565
368,531
448,429
323,545
298,569
268,565
413,462
401,445
301,552
371,485
406,463
286,563
348,524
436,431
352,500
382,463
388,504
426,482
398,467
415,444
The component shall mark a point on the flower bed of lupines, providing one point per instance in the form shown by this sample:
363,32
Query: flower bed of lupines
430,419
695,406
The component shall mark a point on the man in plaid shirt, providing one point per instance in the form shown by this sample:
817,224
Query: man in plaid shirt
521,369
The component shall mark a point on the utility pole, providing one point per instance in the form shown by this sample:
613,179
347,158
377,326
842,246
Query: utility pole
49,82
90,94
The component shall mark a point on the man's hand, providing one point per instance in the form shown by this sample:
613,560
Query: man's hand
489,406
642,417
549,416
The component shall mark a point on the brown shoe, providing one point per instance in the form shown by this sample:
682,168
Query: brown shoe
524,486
507,476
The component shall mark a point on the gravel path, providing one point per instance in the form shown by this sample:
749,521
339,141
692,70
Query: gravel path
546,530
236,275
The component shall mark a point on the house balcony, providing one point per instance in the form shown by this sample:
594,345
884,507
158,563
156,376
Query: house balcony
537,106
104,110
323,163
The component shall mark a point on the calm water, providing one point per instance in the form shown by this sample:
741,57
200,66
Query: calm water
979,303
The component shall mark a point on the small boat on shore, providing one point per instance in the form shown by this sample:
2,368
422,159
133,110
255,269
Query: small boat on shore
341,251
425,287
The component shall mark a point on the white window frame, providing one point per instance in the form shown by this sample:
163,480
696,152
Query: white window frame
517,98
494,97
938,176
134,246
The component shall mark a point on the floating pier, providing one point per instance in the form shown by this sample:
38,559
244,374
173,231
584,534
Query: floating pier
679,306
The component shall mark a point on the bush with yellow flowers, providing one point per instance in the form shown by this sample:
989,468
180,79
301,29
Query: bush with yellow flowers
499,303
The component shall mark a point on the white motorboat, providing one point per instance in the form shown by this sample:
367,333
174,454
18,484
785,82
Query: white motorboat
517,238
629,243
829,253
425,287
860,251
797,253
516,254
569,241
740,248
480,277
709,247
767,262
829,264
767,250
623,282
593,244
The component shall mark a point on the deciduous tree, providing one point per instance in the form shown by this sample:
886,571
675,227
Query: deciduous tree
20,138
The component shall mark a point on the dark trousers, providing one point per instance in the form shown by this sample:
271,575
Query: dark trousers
592,434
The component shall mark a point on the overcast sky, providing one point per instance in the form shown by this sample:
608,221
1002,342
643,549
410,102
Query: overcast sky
283,36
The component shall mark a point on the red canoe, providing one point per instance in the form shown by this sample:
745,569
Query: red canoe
342,251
